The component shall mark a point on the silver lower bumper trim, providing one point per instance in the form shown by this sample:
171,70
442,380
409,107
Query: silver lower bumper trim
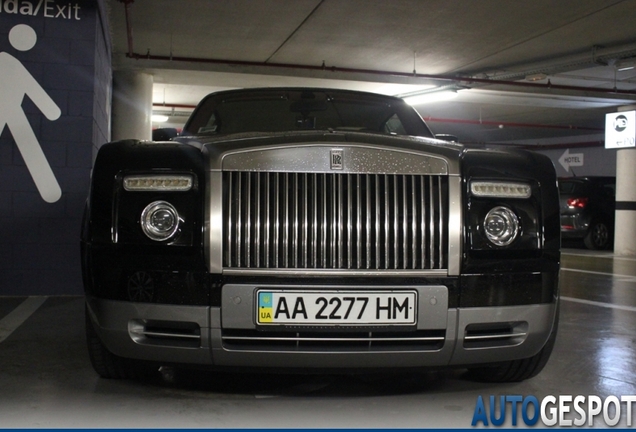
194,335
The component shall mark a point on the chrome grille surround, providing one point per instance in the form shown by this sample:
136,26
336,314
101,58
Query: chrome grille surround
241,156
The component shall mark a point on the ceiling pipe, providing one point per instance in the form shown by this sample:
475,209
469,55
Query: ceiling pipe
509,124
129,34
599,56
447,79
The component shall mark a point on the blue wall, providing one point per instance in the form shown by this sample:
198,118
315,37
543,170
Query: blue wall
39,241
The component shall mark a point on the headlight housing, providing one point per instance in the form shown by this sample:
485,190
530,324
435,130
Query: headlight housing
501,226
160,221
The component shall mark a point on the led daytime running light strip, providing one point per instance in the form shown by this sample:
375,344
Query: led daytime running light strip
500,190
150,183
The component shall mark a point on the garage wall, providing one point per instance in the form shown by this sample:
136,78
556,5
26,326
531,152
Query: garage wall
70,66
583,161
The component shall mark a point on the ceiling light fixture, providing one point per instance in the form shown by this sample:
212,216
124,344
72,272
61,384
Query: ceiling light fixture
625,65
536,77
159,118
437,95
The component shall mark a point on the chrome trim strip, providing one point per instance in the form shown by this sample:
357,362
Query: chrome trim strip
305,243
368,189
405,225
257,227
386,221
295,224
323,232
441,222
248,222
314,236
358,223
431,228
330,272
286,231
229,220
239,223
396,210
340,221
165,335
413,224
267,219
455,225
377,222
423,220
213,224
277,219
349,228
343,339
334,226
496,336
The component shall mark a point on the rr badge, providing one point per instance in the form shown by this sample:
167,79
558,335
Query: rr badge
337,159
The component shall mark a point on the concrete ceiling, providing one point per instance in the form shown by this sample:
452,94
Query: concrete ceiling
486,49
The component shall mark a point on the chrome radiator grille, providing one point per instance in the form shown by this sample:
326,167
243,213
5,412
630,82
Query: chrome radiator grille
334,221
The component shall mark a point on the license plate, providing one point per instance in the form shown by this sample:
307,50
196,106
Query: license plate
336,307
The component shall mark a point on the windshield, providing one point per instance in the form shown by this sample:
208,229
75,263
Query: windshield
282,110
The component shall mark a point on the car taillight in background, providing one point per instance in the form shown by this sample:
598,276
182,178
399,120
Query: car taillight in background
577,202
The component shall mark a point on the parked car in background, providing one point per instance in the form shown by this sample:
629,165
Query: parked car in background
303,229
587,210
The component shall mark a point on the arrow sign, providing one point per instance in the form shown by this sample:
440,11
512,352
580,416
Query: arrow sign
568,160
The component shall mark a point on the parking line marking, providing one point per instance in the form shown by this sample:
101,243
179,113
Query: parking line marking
19,315
600,304
626,278
606,256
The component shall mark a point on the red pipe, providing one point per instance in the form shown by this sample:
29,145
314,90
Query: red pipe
129,34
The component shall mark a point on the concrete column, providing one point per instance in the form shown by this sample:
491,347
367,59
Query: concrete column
132,105
625,226
625,222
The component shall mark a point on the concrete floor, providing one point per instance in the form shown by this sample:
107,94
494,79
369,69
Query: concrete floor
46,379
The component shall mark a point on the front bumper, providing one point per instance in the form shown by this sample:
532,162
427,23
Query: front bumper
226,336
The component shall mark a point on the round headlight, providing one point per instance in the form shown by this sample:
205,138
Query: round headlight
159,221
501,226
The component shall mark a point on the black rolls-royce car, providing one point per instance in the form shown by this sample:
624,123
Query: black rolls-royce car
313,229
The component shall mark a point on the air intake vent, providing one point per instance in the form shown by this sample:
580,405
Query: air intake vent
335,221
495,335
333,341
165,333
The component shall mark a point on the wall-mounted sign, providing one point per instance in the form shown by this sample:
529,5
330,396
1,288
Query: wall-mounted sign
568,160
17,83
620,130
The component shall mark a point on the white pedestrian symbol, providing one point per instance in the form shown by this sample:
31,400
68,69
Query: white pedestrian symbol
16,83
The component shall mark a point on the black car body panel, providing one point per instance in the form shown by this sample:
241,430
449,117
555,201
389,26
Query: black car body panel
334,212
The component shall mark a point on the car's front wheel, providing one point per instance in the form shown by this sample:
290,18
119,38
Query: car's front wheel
598,237
109,365
518,370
